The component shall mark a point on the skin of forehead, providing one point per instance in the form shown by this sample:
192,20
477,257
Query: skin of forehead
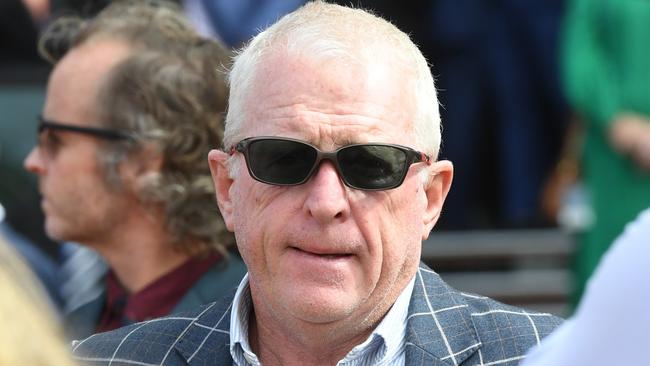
323,92
76,80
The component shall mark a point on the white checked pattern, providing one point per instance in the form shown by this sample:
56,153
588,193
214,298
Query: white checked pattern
444,327
188,323
502,333
137,327
432,312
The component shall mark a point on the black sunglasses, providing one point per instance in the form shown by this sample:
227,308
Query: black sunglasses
285,162
105,133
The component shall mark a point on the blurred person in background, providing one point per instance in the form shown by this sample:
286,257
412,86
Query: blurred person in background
495,63
29,334
607,79
20,21
232,22
504,111
133,106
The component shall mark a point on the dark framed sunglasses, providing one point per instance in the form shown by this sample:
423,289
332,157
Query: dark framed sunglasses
285,162
105,133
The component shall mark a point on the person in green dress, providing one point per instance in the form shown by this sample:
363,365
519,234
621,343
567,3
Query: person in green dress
606,64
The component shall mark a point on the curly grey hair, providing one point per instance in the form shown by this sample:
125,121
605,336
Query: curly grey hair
169,93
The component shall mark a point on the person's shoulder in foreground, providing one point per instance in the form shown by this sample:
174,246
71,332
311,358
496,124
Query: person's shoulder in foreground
444,326
613,316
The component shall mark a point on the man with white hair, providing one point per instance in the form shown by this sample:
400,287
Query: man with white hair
329,181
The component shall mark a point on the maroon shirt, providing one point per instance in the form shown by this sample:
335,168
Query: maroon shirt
155,300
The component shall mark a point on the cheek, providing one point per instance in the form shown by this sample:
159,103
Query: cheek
255,217
400,230
408,209
243,223
77,189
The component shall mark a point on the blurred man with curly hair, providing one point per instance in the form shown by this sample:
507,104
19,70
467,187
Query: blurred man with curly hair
134,104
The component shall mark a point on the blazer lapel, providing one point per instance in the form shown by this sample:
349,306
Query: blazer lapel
207,340
439,329
80,323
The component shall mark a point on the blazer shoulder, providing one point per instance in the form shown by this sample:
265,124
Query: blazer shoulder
507,332
491,313
160,341
447,324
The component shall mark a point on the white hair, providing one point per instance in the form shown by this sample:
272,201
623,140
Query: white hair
325,31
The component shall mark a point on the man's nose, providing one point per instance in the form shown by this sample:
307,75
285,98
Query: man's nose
34,163
327,195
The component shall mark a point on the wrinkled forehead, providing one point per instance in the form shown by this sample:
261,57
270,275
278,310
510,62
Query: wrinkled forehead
349,63
337,100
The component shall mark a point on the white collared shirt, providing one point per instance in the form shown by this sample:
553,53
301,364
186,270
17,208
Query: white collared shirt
385,346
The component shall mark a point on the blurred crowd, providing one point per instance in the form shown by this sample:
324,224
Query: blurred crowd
504,111
545,108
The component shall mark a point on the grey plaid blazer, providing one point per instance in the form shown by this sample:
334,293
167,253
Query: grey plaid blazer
444,327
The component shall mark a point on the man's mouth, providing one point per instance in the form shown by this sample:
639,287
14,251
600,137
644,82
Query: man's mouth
323,255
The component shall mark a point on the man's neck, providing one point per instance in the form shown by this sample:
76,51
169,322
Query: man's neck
290,342
139,251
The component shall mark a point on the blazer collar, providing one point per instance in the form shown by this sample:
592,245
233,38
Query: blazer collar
439,328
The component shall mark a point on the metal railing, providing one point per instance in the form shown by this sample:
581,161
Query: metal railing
528,268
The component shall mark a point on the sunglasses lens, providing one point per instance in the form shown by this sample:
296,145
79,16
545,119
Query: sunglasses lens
280,161
289,162
373,166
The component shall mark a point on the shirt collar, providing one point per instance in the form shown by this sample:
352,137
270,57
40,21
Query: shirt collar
384,345
240,349
387,341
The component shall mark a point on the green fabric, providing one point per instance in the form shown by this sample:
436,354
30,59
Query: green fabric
606,64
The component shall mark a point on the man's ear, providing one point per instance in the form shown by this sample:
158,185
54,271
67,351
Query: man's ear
439,182
218,161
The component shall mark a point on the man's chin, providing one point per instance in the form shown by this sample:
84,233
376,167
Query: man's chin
55,232
322,305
